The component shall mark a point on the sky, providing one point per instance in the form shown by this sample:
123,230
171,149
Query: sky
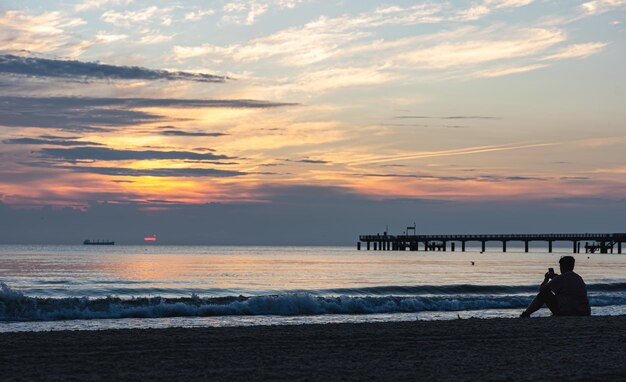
309,121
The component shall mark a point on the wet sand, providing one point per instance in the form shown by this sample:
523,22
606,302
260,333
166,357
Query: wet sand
577,348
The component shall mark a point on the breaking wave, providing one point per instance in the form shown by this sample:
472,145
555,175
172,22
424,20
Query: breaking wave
15,306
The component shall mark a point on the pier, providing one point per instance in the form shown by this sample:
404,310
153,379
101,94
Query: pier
591,242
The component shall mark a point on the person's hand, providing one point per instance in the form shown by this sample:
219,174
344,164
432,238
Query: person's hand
550,276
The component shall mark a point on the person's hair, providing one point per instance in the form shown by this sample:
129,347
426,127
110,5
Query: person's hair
567,263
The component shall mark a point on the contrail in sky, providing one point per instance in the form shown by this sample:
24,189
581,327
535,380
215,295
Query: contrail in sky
444,153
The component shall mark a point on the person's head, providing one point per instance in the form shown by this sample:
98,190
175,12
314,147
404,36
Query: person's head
566,264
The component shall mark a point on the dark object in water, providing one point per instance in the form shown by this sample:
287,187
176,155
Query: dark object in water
98,242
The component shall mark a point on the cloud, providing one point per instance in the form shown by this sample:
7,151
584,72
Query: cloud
317,40
180,133
335,78
58,137
80,102
69,114
413,176
508,3
154,38
349,37
99,114
49,142
209,162
199,14
600,6
445,117
108,154
153,102
577,50
505,71
247,12
42,67
309,161
499,178
613,170
157,172
341,44
474,13
88,5
422,125
45,32
244,12
472,52
107,38
478,11
141,16
479,178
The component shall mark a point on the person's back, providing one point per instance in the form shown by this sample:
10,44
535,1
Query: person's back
571,294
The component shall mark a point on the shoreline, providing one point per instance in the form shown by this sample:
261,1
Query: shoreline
566,348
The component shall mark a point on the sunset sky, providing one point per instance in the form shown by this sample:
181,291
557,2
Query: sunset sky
167,105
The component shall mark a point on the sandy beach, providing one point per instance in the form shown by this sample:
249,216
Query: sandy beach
587,348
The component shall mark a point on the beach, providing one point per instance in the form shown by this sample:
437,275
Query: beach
576,348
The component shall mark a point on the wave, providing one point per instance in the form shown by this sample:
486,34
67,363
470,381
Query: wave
15,306
433,289
403,290
101,288
463,289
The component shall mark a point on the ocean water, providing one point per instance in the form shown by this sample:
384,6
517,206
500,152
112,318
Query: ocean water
103,287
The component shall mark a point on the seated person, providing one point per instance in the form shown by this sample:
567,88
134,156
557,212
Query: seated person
564,294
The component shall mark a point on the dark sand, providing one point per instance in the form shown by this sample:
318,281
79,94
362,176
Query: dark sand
580,348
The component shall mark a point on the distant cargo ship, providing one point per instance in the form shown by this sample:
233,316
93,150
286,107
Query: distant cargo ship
98,242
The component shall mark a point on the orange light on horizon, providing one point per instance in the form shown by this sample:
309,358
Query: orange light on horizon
150,238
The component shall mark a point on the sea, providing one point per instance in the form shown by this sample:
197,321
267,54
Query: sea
76,287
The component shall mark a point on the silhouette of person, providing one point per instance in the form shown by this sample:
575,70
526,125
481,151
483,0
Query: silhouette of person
564,294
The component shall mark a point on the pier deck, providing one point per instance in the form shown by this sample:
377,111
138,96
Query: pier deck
604,242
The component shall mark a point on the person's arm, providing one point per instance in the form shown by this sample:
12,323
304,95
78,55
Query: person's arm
544,284
548,282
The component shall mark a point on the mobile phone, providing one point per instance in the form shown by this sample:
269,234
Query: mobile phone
551,272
